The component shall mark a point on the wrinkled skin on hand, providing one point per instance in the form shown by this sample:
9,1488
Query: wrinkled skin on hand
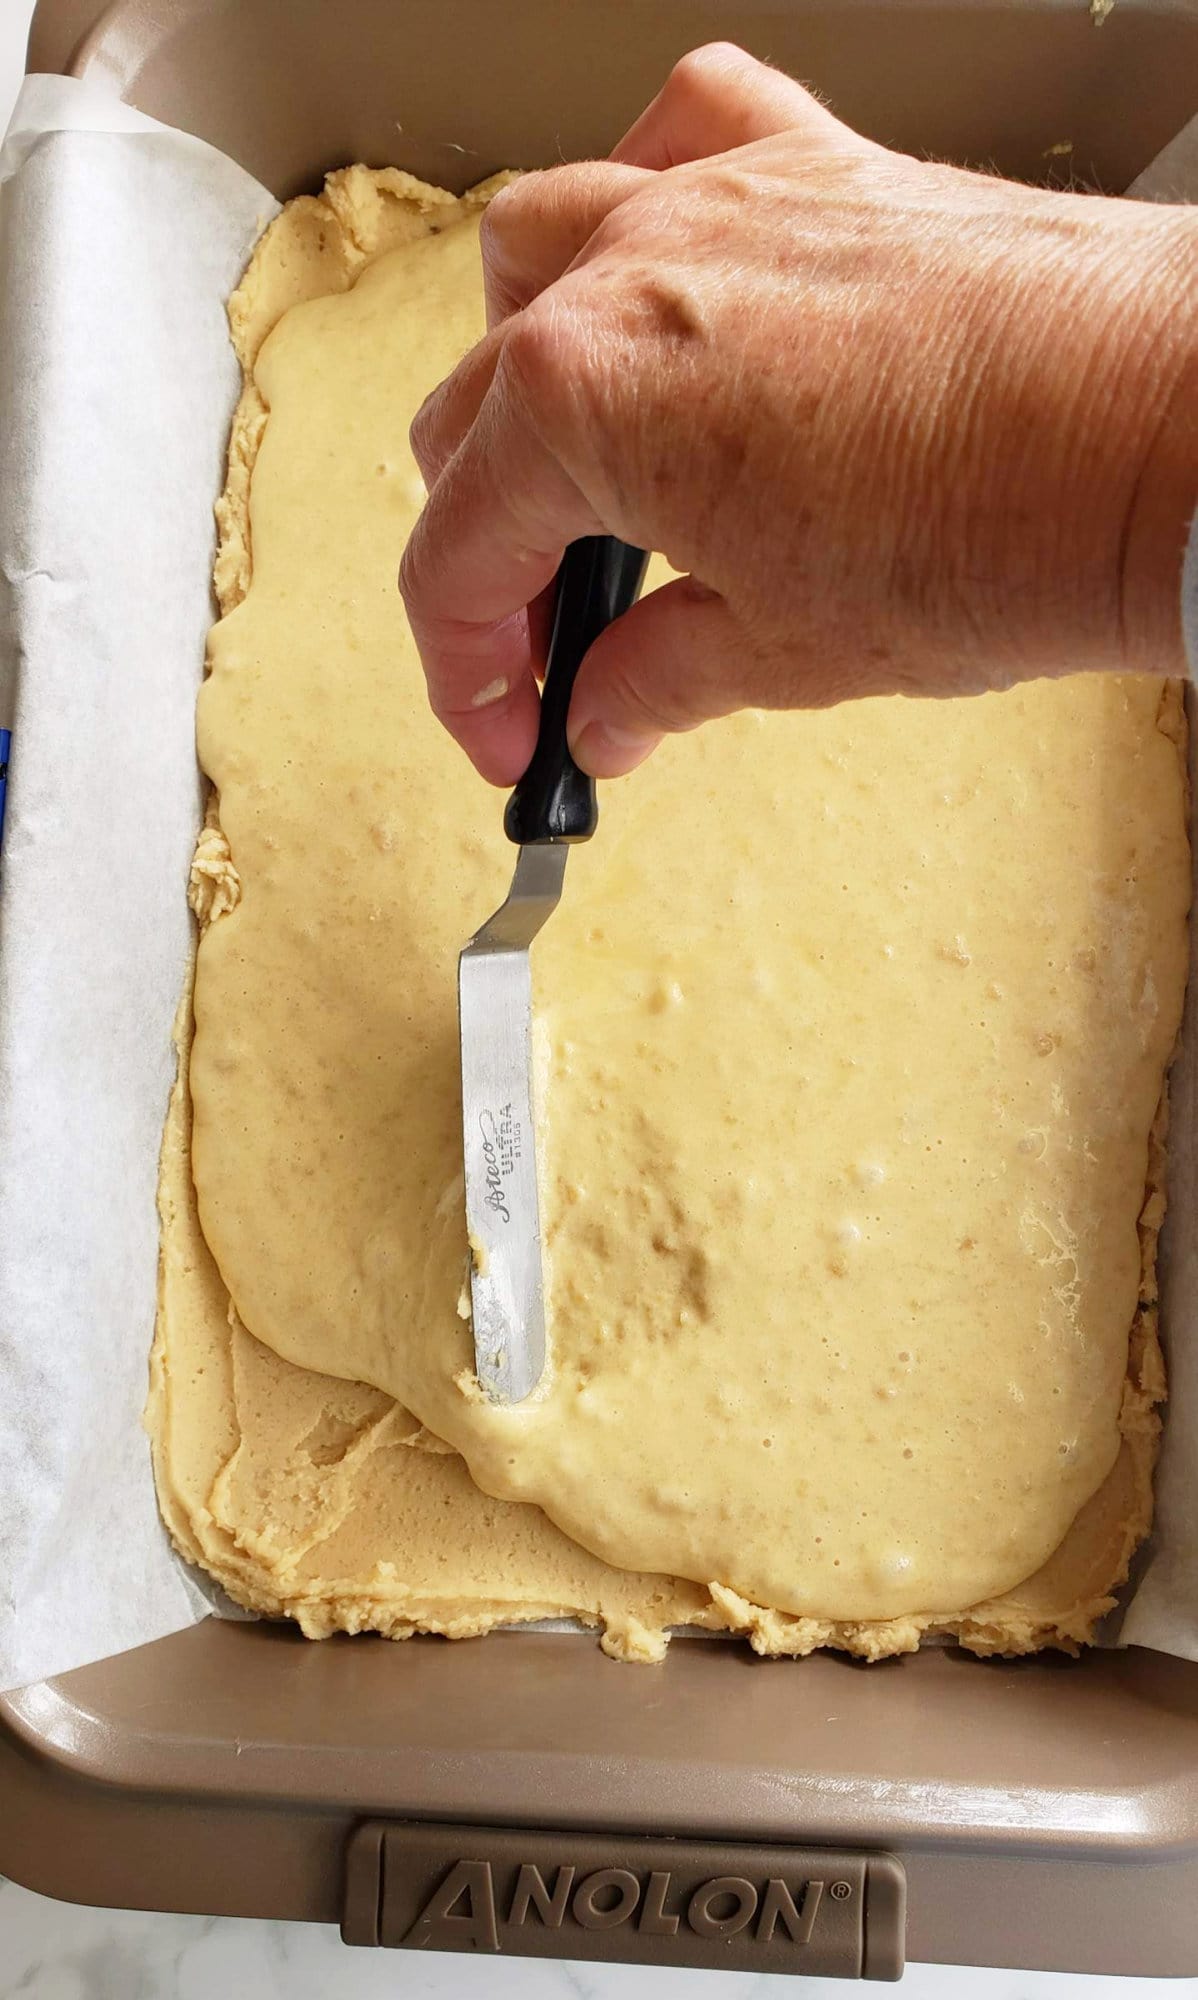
902,428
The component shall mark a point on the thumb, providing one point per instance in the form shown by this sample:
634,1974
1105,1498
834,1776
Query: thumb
676,659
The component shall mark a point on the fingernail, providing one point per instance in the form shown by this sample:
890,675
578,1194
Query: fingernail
604,751
493,692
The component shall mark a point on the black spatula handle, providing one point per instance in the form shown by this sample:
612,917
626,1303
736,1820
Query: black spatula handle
554,800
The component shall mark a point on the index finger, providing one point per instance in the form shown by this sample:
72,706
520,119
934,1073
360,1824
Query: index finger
489,541
536,226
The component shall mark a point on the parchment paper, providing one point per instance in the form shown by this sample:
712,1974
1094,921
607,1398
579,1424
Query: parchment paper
119,242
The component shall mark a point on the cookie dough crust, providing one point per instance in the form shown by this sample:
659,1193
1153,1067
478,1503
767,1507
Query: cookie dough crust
815,1283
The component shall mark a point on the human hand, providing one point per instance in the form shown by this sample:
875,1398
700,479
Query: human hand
903,428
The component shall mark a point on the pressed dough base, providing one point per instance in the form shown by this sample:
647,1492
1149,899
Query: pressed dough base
323,1499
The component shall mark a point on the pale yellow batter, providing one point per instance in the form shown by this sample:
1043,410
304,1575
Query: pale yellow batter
856,1027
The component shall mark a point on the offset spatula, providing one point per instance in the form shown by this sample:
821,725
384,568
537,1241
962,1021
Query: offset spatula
553,805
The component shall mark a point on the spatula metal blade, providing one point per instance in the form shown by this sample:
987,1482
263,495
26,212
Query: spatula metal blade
499,1133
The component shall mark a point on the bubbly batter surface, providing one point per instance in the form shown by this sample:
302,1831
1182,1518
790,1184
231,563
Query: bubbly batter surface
854,1030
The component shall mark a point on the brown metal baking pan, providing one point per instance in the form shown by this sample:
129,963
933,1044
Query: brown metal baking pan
522,1793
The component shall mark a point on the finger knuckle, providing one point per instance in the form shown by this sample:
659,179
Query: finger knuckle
698,75
410,569
543,352
522,205
431,432
422,429
502,213
646,706
622,226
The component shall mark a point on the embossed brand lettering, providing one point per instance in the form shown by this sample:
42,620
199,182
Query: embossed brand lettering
531,1893
605,1899
780,1903
656,1920
462,1913
500,1133
473,1928
701,1911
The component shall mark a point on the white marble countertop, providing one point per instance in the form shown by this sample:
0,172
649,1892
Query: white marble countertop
56,1951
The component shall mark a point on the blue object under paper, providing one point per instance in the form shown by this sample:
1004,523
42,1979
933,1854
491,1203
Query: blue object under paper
5,742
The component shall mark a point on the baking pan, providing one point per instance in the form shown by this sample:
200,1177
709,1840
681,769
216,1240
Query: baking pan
523,1793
